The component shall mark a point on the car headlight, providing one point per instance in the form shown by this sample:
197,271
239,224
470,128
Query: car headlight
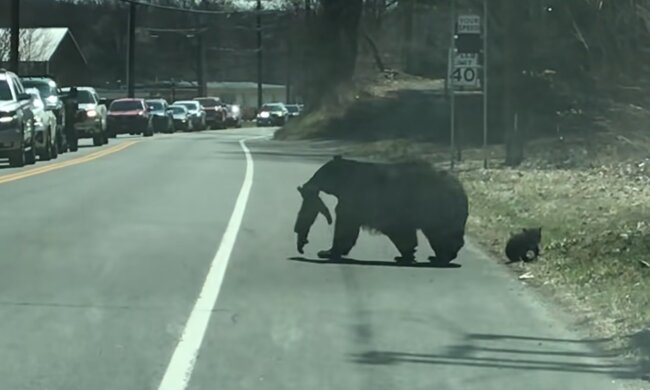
7,119
91,113
53,100
264,114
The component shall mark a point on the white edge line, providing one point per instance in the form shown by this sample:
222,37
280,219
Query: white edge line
181,365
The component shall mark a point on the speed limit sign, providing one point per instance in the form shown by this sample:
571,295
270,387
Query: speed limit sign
465,71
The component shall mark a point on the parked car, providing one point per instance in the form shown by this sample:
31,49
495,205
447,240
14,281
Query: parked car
233,115
294,110
181,117
197,114
129,116
17,140
44,127
50,93
163,120
91,118
215,111
272,114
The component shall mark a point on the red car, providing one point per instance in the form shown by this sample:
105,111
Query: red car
129,116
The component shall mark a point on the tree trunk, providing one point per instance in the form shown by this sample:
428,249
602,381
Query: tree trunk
375,52
408,9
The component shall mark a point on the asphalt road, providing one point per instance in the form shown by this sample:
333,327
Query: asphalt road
103,285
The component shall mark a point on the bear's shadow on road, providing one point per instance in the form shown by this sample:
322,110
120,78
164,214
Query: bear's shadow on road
375,263
530,353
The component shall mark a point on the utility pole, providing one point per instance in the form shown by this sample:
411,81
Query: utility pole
259,53
15,36
289,67
305,92
200,68
130,59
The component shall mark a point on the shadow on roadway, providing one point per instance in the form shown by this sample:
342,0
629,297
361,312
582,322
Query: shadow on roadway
533,358
639,342
4,164
376,263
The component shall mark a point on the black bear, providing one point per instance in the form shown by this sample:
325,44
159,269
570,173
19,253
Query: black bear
393,199
520,244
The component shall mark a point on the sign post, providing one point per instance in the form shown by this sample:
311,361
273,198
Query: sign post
467,58
485,84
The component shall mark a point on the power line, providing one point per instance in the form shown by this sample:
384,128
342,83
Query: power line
173,30
193,10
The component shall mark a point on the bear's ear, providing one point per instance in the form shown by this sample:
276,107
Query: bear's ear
300,189
337,157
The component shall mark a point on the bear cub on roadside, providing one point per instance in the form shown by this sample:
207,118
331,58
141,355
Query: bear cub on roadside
521,244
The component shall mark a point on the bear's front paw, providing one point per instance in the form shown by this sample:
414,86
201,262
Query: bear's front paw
328,254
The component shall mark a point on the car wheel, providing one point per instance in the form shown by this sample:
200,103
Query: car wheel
54,150
17,159
30,155
73,143
47,151
98,140
148,132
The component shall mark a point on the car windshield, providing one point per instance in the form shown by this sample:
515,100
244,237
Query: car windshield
44,88
272,107
85,97
293,109
178,110
191,106
207,102
156,105
5,92
126,105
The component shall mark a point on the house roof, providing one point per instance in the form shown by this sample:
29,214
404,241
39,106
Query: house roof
241,85
37,44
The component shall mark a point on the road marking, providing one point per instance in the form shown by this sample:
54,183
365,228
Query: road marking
64,164
181,365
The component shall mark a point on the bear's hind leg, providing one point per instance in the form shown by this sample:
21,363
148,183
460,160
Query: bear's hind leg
445,245
405,240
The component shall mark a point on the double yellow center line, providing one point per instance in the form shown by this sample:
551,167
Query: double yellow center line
67,163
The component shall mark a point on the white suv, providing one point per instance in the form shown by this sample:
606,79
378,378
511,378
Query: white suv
17,141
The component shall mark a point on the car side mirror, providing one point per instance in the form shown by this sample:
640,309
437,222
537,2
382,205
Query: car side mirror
103,101
24,96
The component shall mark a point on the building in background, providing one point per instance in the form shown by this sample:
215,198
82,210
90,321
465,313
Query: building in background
244,93
51,50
